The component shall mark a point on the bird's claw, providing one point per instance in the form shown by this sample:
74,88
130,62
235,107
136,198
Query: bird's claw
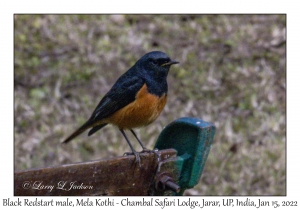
137,157
155,151
145,150
127,153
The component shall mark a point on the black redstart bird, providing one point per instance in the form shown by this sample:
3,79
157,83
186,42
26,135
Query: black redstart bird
136,99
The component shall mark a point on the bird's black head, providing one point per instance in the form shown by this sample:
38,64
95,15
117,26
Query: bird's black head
156,64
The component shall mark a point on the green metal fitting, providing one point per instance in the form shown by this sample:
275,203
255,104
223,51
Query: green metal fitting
192,138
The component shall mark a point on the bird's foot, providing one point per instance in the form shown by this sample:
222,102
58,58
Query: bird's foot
155,151
145,150
137,157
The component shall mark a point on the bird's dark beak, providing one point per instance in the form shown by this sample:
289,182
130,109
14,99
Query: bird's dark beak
170,63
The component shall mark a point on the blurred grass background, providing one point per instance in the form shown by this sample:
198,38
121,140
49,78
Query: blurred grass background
232,73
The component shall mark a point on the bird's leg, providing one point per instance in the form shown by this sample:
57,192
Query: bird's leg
155,151
135,153
144,148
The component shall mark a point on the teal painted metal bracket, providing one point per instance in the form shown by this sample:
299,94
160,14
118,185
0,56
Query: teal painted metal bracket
192,138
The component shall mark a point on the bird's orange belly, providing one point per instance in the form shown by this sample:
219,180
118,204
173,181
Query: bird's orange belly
144,110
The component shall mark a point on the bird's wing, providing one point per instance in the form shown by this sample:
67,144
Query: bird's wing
120,95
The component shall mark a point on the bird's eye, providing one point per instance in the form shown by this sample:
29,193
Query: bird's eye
155,62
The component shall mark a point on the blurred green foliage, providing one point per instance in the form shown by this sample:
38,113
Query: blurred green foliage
232,73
